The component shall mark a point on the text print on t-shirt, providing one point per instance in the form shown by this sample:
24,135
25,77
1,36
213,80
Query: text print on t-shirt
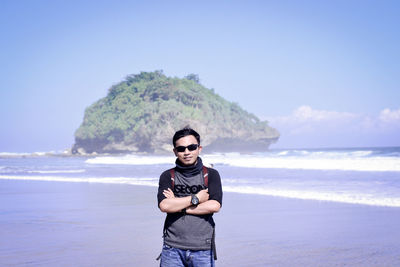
188,189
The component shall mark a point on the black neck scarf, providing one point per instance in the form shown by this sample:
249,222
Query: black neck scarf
190,170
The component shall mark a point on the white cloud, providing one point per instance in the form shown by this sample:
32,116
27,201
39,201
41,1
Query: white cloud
389,116
306,113
306,126
306,119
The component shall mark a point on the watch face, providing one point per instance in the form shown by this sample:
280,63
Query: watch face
195,200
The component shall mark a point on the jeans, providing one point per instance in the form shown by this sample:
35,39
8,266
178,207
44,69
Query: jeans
174,257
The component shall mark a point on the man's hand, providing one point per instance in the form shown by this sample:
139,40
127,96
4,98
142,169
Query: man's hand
168,193
203,195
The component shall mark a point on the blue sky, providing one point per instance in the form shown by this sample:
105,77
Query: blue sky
325,74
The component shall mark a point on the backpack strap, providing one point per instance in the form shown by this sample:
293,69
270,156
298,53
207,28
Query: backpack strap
213,247
205,175
172,172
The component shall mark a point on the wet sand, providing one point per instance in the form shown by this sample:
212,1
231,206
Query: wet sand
83,224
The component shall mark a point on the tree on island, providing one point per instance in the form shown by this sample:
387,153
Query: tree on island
193,77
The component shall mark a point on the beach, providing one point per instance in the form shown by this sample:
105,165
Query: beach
47,223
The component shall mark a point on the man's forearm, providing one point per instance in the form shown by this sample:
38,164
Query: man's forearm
177,204
208,207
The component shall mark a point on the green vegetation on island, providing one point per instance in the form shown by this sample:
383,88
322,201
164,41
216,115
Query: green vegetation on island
141,114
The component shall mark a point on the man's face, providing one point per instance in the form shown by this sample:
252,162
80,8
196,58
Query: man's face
187,157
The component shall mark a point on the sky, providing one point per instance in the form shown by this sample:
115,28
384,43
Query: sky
324,73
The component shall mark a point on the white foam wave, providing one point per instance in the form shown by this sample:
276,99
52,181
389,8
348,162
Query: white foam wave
310,163
40,153
283,153
104,180
132,160
320,196
11,170
355,198
338,154
56,171
351,161
33,154
362,153
13,154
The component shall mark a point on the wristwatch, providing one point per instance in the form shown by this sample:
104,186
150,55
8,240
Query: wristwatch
195,200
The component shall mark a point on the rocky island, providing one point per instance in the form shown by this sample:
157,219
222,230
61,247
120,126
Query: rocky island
141,114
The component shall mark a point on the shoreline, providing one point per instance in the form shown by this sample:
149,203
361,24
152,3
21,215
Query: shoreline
86,224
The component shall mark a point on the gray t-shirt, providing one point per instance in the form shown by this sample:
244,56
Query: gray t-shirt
187,231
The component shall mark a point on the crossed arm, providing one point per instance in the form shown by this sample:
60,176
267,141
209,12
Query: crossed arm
172,204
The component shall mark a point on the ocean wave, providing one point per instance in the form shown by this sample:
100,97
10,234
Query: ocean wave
33,154
346,164
132,160
56,171
23,169
349,198
357,160
104,180
320,153
12,154
320,196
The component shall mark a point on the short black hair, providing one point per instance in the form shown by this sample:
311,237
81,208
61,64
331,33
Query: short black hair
185,132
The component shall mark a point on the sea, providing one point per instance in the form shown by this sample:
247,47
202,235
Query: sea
361,176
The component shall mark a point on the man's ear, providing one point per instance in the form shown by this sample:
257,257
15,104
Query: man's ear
176,154
200,148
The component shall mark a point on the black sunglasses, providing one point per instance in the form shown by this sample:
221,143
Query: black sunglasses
190,147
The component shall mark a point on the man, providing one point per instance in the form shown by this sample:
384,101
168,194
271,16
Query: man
190,202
